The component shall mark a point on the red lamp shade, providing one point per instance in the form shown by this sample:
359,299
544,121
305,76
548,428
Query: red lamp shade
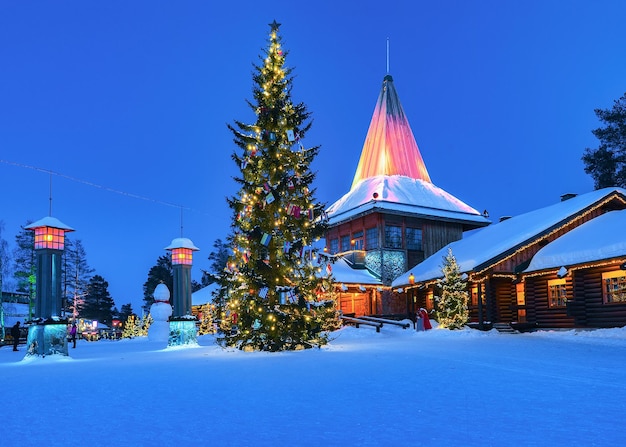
411,279
182,251
182,256
49,233
48,237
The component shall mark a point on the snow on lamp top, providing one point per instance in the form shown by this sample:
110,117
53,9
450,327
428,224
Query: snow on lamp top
182,251
49,233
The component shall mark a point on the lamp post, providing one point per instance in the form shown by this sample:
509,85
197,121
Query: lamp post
48,336
182,258
182,323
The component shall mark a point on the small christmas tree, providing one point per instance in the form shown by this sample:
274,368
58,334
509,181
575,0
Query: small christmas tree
207,325
144,325
452,310
130,327
271,281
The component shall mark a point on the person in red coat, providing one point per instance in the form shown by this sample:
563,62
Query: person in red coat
426,321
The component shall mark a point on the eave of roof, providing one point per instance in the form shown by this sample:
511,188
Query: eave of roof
491,245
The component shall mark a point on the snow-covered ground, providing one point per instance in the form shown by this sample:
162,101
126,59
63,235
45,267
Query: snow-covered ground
394,388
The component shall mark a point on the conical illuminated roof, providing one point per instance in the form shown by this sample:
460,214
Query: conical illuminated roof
390,147
391,176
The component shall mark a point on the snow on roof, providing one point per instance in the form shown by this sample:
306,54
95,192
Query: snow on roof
494,240
343,273
49,221
181,242
398,193
599,239
204,295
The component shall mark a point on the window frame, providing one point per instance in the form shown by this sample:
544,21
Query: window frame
620,289
391,240
409,232
334,246
557,293
371,238
344,243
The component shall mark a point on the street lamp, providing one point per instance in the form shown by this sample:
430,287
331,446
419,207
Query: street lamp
48,336
49,246
182,323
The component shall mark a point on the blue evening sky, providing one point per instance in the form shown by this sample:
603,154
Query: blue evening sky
130,99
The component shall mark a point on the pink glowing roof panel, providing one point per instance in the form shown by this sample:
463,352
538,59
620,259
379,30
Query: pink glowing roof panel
390,147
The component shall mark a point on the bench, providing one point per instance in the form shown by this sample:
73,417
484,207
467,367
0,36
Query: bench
357,322
385,321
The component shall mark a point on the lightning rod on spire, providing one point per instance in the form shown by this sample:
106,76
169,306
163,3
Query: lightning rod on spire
50,204
387,55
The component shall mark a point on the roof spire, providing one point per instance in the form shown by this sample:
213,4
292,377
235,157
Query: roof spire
390,147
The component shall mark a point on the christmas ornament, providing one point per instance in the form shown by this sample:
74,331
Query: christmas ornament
266,238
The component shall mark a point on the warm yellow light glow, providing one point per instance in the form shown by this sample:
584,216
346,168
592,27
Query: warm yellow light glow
49,237
182,256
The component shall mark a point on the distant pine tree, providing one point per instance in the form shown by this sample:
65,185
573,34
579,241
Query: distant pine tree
98,304
607,163
452,312
76,275
162,272
24,266
127,311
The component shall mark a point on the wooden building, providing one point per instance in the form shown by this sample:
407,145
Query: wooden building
579,280
393,216
507,283
358,291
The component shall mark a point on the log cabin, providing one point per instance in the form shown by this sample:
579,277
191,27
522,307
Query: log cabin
579,280
509,278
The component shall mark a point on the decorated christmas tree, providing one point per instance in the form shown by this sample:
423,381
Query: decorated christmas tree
275,282
452,310
207,321
131,329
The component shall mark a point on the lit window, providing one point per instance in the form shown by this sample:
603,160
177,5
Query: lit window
393,237
474,295
371,238
521,301
357,239
614,287
430,299
557,293
413,238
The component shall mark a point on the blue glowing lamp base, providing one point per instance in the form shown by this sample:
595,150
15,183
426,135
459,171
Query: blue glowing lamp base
47,338
183,332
